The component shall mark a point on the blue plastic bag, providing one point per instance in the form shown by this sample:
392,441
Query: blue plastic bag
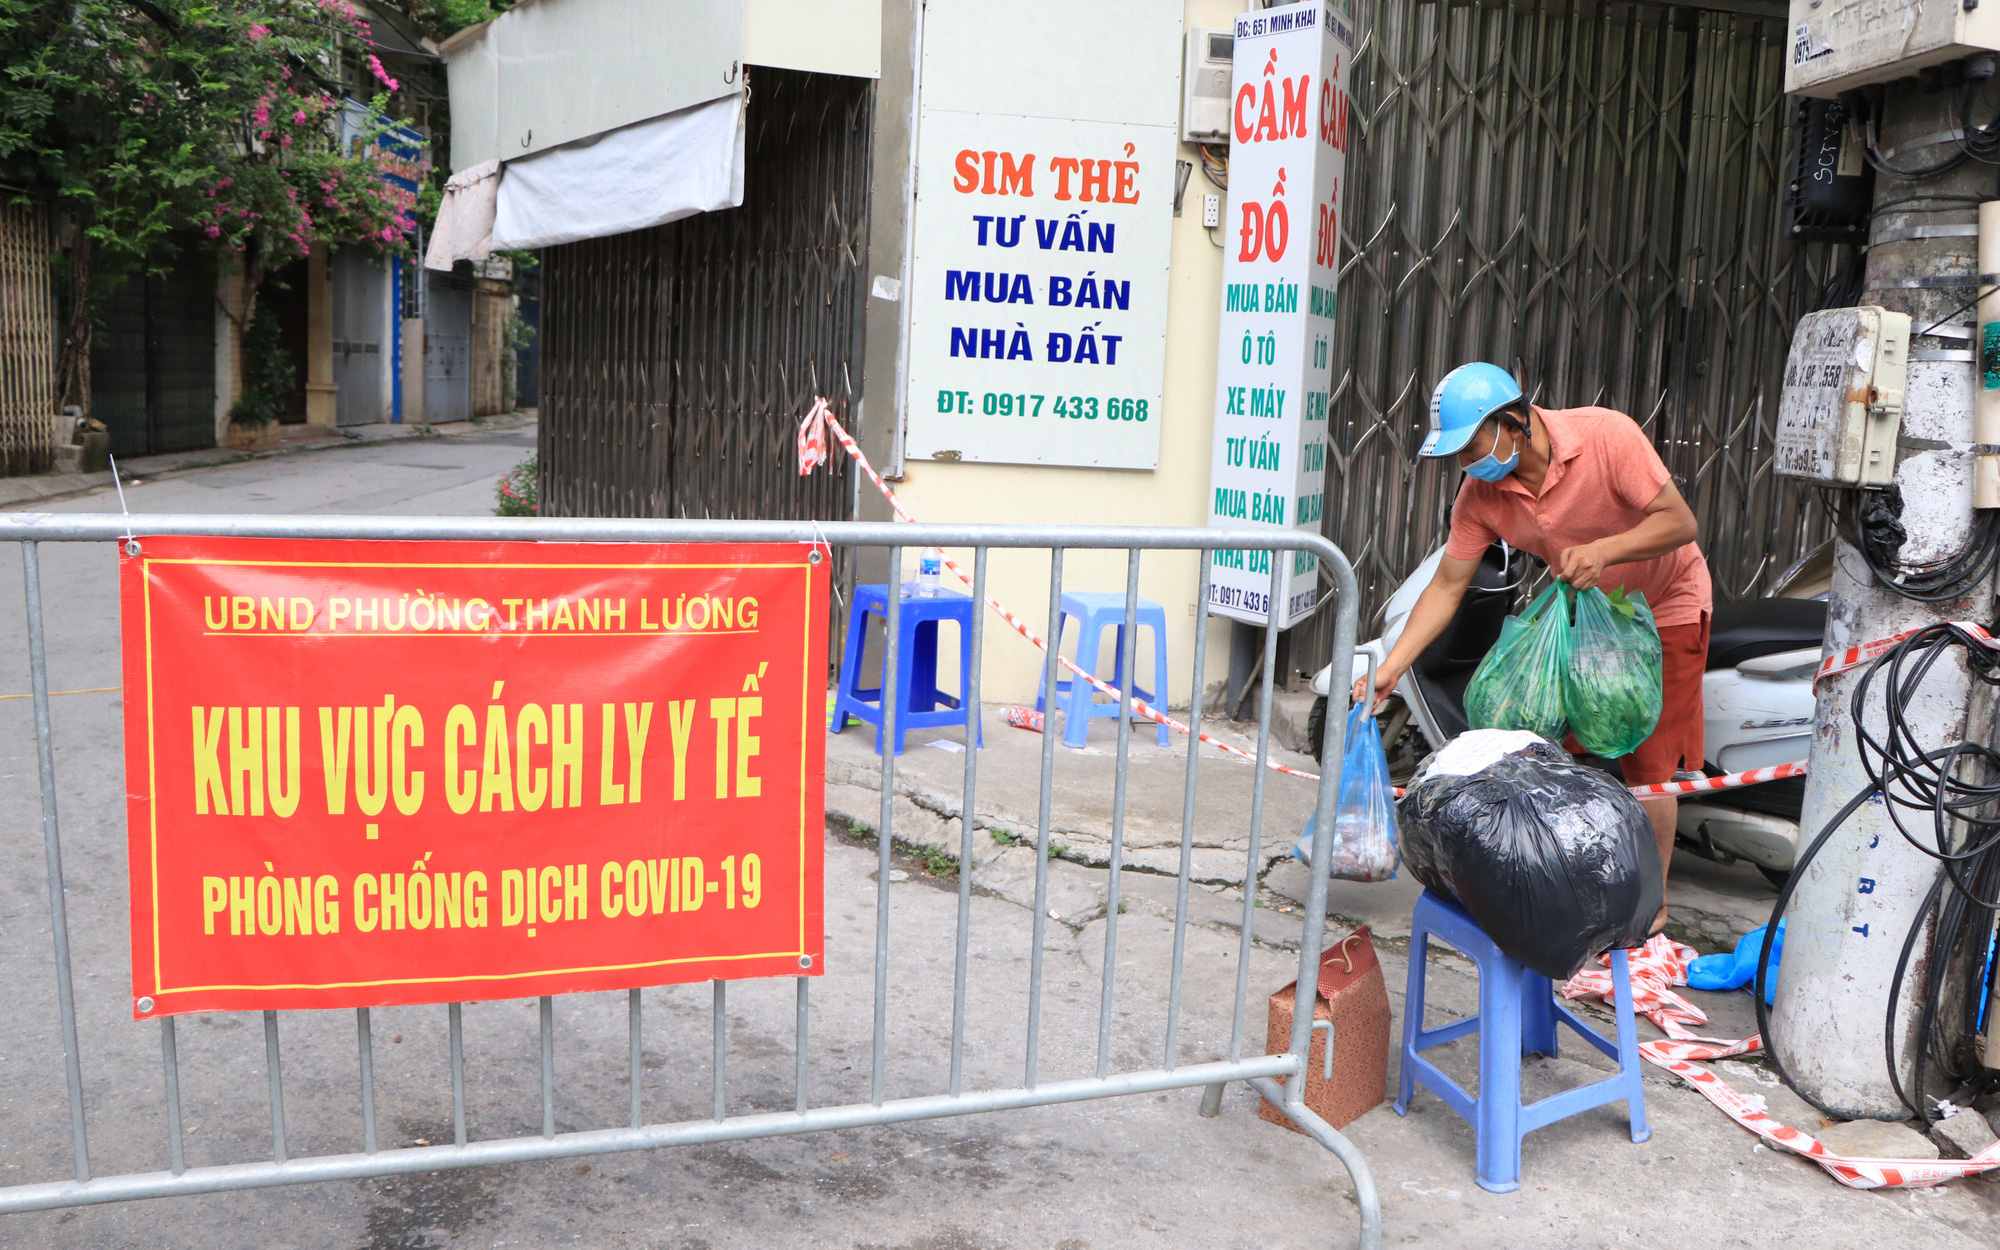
1365,847
1732,970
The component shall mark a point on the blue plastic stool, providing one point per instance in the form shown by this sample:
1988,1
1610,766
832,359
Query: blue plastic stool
916,667
1095,612
1518,1012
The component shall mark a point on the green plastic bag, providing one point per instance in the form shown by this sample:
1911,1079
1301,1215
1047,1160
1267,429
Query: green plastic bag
1611,689
1519,685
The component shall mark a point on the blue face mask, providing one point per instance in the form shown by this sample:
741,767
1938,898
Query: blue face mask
1493,470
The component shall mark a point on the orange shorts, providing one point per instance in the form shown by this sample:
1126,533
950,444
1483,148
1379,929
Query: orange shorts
1675,745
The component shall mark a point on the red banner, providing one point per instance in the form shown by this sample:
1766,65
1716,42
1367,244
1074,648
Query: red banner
363,773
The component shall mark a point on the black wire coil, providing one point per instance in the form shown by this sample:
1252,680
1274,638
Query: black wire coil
1965,829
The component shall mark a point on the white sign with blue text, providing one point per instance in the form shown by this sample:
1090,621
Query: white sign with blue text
1038,292
1279,271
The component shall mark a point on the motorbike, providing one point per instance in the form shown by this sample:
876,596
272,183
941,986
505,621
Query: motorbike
1757,697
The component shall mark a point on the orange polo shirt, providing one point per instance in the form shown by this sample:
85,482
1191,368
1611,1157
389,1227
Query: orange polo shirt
1603,472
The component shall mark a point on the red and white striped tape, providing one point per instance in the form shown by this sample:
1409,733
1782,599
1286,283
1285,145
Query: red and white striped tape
812,452
822,417
1776,772
1662,963
1730,781
1855,657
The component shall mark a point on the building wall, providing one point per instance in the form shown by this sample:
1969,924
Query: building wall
492,300
1172,494
818,36
228,345
1649,271
321,392
412,330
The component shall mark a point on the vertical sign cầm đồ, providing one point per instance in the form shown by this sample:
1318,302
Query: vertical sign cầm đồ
1280,268
361,773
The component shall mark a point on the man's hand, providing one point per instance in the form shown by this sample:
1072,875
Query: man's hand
1669,524
1386,678
1428,619
1582,566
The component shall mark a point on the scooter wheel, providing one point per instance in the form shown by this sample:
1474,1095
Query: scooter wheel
1776,876
1316,729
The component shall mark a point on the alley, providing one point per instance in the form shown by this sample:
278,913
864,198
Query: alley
1139,1171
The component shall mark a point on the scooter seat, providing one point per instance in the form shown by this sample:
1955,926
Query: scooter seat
1750,628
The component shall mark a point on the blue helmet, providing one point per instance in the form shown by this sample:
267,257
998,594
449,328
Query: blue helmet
1462,401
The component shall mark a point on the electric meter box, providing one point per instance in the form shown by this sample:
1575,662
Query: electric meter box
1842,403
1837,45
1205,80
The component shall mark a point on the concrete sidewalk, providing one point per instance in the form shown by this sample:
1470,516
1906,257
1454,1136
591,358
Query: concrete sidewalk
1711,906
1716,1183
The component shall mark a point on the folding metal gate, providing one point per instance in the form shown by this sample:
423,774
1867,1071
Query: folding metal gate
1593,191
675,361
1277,1077
28,425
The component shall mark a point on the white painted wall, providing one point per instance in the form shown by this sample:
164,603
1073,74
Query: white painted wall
823,36
472,78
1057,58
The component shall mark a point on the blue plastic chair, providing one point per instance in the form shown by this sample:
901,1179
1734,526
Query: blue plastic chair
916,663
1095,612
1518,1012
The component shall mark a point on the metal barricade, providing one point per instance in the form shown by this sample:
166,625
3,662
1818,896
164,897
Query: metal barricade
1278,1078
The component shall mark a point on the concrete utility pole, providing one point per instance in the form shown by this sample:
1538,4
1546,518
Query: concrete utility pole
1852,909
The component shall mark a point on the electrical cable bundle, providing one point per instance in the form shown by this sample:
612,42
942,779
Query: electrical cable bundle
1214,166
1877,527
1964,832
1846,287
1980,143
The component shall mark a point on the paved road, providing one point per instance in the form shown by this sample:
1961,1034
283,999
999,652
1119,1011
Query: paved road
1144,1171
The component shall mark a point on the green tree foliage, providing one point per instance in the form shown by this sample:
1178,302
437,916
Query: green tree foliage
446,17
148,117
268,374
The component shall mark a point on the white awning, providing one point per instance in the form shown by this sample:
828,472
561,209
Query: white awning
641,175
464,229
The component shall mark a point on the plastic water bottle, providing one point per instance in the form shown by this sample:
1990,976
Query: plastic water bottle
929,565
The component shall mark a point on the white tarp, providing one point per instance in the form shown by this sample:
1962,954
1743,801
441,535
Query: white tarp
627,179
464,229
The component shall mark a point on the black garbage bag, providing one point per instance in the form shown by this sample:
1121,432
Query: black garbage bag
1555,861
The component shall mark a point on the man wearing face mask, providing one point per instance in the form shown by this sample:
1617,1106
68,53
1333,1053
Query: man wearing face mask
1583,489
